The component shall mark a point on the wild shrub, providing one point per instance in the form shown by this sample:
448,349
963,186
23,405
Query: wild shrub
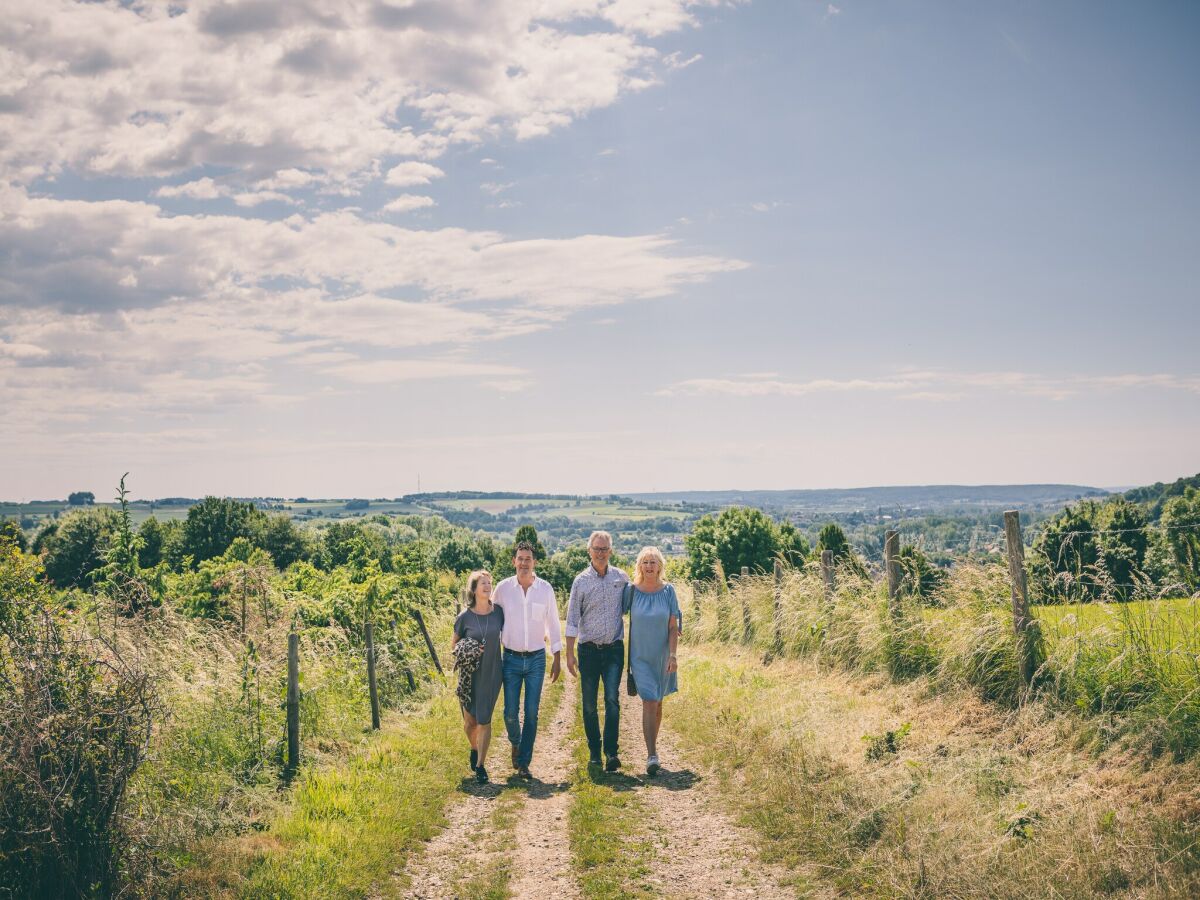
75,719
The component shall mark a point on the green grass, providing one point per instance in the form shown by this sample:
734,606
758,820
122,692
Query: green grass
350,828
607,822
1171,623
954,805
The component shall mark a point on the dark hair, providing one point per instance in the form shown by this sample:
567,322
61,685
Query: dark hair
524,545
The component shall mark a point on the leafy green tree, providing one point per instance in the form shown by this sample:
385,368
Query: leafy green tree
213,524
81,498
920,578
1181,530
528,533
1067,555
153,536
739,536
11,534
1124,541
701,547
833,539
793,546
460,553
746,537
286,542
73,549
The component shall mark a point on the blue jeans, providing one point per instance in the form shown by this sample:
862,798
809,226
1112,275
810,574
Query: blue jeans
529,671
598,664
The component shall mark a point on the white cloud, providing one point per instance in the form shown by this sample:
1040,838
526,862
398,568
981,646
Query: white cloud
676,61
410,174
115,307
388,371
931,385
495,188
330,89
409,202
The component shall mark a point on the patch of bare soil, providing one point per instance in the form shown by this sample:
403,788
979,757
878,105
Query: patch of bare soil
536,852
541,854
702,852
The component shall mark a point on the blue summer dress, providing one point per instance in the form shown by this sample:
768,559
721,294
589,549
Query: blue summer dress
649,645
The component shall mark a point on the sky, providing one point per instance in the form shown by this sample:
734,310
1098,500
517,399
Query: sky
360,248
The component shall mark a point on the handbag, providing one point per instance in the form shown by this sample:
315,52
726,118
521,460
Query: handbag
630,684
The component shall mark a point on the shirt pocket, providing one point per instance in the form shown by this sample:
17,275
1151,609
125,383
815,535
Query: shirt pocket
537,611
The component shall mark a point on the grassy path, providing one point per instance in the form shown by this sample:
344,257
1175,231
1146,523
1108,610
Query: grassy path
506,838
350,827
869,788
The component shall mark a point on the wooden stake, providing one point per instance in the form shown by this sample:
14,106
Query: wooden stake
778,605
746,629
372,689
293,702
891,559
428,643
828,576
1022,621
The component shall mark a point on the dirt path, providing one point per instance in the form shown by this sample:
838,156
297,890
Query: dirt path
542,854
507,826
703,852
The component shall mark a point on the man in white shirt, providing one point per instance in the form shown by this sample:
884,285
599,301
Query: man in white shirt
530,620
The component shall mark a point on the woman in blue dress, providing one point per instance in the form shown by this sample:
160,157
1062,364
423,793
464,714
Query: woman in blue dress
653,639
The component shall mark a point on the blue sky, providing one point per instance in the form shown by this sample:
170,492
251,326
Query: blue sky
579,245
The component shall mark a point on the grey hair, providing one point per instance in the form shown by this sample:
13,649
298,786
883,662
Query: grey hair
599,534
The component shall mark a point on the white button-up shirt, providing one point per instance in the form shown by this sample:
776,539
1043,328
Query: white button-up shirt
530,617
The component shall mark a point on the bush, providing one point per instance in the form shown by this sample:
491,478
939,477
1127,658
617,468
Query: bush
73,549
75,719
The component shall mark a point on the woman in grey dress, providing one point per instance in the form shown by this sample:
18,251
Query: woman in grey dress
653,639
483,622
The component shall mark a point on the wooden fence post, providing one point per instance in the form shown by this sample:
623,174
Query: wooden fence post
778,606
293,703
1022,621
827,576
372,687
722,600
428,643
891,559
746,628
696,600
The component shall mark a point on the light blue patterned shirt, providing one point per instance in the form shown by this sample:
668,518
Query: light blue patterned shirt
594,610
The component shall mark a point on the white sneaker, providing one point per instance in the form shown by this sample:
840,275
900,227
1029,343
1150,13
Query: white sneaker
652,765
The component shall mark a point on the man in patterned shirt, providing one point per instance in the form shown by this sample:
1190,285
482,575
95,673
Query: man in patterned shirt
594,619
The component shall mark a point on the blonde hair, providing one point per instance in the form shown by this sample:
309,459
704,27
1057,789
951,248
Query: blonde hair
472,585
637,566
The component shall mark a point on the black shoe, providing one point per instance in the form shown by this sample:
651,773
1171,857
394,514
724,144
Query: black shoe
523,772
613,763
594,759
481,775
474,757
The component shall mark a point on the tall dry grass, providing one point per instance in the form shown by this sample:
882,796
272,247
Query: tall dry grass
1136,679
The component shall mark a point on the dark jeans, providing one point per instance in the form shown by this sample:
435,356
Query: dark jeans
596,664
529,671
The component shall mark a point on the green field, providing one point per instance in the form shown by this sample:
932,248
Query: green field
1166,624
579,511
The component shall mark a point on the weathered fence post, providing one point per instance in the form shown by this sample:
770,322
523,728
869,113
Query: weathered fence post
293,703
778,606
696,600
428,642
1022,621
372,688
891,559
722,601
827,576
746,628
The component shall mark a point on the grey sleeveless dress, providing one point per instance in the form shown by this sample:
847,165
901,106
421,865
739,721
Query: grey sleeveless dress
486,687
